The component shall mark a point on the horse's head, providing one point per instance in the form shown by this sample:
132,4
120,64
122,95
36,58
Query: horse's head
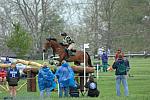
48,43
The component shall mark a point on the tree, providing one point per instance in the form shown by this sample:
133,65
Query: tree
40,18
97,17
121,23
38,15
19,41
129,25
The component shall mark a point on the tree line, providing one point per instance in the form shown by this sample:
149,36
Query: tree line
108,23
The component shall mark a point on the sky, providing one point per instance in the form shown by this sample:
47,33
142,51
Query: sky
74,11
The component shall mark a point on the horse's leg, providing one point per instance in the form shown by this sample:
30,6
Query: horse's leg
61,58
88,60
81,83
77,63
77,79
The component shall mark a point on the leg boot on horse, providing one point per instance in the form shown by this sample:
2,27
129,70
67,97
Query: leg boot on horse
82,83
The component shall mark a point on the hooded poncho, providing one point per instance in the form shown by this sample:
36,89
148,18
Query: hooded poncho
46,79
65,76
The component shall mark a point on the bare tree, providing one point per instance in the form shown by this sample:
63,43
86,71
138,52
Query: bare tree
36,14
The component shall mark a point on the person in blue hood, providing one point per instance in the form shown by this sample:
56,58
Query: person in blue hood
65,76
46,80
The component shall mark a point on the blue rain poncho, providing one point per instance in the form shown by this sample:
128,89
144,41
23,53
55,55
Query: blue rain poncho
46,79
65,76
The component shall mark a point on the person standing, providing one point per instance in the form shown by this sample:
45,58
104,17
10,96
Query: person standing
104,58
46,80
3,74
121,75
100,52
119,52
65,76
13,77
7,61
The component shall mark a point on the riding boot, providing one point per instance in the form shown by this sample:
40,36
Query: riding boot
70,53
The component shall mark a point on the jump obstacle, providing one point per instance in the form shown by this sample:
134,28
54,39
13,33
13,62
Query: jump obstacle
32,72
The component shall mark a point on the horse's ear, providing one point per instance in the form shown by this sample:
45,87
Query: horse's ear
48,39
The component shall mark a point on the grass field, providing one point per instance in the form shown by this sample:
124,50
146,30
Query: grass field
139,85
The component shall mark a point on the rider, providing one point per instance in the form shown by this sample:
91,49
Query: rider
68,41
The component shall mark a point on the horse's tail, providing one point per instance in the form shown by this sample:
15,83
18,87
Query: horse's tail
89,60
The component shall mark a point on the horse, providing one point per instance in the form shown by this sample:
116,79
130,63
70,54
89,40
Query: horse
78,58
61,51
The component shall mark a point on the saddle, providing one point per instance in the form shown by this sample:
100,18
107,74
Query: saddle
70,52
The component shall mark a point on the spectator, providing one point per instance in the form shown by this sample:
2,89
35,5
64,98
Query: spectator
108,51
119,52
100,52
92,87
121,75
7,61
3,74
65,77
104,58
46,80
13,77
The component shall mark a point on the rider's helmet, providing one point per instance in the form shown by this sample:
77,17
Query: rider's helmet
63,34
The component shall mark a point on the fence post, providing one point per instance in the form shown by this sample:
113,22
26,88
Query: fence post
43,56
129,54
85,46
97,68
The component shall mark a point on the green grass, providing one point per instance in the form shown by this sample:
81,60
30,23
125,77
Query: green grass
139,85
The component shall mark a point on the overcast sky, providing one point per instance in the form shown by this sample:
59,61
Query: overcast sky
74,11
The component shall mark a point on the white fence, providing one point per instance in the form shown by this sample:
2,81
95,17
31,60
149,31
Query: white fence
130,54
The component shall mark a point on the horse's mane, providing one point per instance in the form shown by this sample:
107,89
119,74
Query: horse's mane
50,38
54,39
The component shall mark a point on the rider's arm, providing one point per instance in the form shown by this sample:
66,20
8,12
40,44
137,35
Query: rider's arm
65,42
